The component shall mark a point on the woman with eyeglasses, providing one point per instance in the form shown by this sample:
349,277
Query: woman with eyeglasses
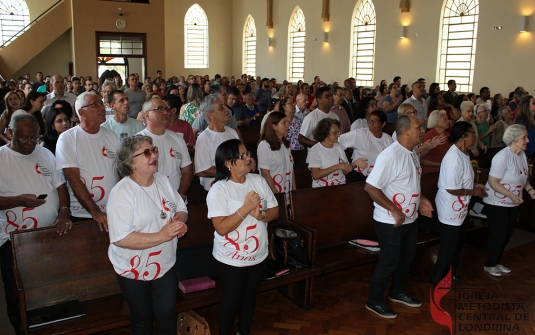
455,189
365,107
275,160
327,160
145,218
239,204
367,144
484,130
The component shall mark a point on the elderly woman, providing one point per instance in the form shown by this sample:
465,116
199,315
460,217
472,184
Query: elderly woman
484,130
467,113
437,125
56,123
367,144
275,160
504,118
526,117
507,177
364,108
239,204
145,217
455,189
327,160
189,112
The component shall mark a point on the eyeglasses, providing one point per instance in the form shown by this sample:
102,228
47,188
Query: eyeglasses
336,132
95,104
413,113
373,121
160,109
148,152
26,139
245,155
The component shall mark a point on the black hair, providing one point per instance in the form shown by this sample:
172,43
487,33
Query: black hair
233,91
381,115
319,91
226,151
111,95
458,131
50,138
173,101
33,95
483,89
67,108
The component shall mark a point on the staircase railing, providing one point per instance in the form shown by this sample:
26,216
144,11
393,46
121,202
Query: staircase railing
29,24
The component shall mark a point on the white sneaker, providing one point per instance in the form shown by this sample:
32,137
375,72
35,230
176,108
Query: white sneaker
503,268
493,271
478,215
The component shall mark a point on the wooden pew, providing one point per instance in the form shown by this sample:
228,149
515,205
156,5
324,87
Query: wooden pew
50,269
336,215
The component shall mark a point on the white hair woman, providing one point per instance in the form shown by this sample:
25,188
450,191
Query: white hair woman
507,177
438,125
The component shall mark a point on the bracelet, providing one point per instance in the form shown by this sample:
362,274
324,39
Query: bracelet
239,215
65,208
263,214
529,189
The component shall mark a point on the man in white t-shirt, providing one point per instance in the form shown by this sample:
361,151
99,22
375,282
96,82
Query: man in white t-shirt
28,177
418,101
120,123
217,113
325,102
394,186
86,154
174,160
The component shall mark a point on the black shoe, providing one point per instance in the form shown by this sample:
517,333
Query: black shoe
406,299
382,310
457,279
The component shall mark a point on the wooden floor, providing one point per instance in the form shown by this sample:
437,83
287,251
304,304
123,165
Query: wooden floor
481,305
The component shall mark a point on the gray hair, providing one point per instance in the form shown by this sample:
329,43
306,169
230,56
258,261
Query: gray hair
82,100
109,83
478,108
147,106
519,95
465,105
207,106
13,124
513,133
125,153
432,120
501,110
403,122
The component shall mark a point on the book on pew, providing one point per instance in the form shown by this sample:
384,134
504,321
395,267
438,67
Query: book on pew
369,245
196,284
275,269
55,313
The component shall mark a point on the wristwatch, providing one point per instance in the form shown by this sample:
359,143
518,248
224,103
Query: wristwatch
263,214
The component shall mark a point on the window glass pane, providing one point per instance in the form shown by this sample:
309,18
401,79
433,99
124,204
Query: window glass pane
363,39
14,16
296,46
196,38
249,47
120,45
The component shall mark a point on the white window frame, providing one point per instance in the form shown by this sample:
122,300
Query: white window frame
249,47
457,43
296,46
195,38
14,16
362,53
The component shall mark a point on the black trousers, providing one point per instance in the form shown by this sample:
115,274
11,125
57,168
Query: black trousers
502,222
239,285
451,246
398,246
148,298
12,301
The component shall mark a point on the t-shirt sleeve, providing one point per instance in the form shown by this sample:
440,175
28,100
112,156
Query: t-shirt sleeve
200,123
305,131
120,217
498,166
314,157
65,153
202,160
347,140
217,202
271,201
381,173
264,154
453,174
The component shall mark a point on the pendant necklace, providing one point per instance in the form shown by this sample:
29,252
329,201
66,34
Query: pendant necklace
163,215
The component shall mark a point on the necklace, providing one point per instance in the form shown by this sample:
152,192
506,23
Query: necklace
163,215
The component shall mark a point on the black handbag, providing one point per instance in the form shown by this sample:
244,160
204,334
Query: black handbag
287,246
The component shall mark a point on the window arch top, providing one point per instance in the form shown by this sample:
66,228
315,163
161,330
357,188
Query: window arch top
196,38
296,45
14,16
364,13
196,16
298,21
362,54
461,8
249,46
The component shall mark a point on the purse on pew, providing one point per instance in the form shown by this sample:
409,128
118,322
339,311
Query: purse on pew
191,323
287,245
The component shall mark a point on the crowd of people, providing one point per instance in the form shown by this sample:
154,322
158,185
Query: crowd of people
78,149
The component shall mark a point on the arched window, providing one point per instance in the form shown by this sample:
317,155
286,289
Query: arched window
196,38
249,47
457,43
14,16
296,46
363,43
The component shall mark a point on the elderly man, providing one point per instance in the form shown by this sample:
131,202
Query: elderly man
86,153
325,102
28,178
301,111
120,123
58,93
107,87
136,97
394,186
216,111
174,160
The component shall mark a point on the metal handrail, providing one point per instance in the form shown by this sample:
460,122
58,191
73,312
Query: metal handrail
29,24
